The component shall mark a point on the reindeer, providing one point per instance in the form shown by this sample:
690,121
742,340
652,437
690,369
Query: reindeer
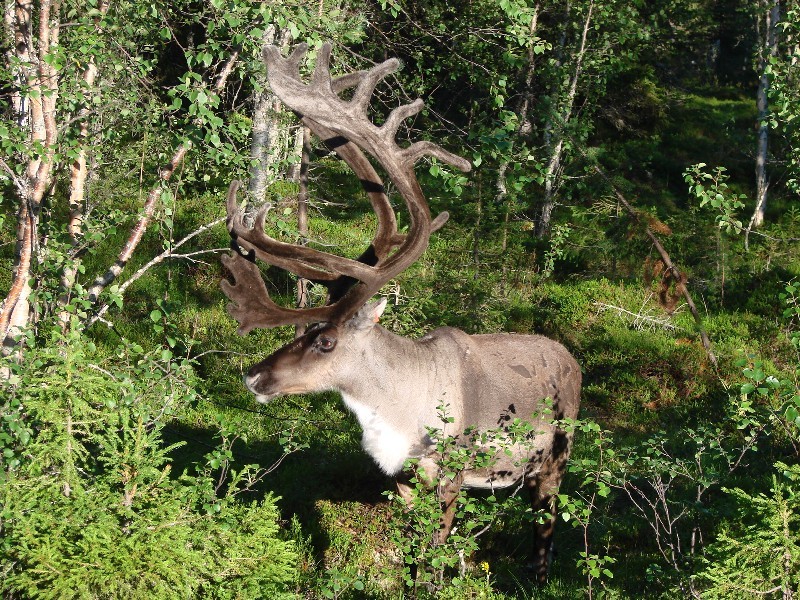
396,386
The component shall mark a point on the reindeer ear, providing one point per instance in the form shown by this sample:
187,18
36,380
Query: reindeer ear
376,309
369,314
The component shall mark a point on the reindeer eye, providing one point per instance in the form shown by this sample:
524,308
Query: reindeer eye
325,343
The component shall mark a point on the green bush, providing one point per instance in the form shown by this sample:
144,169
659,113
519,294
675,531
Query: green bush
91,504
758,552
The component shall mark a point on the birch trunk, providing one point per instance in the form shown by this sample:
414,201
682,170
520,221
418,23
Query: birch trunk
264,147
293,172
79,172
554,133
302,219
501,187
42,81
12,32
768,49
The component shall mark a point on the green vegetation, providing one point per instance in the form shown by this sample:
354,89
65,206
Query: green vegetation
134,463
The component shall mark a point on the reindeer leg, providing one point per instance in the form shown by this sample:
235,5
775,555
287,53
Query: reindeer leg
543,485
403,483
543,534
447,491
404,487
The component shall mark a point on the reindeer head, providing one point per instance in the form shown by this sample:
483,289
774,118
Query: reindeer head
327,356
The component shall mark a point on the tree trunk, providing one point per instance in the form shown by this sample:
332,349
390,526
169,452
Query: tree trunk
78,169
78,175
42,81
264,147
12,32
767,49
302,219
293,172
551,180
554,132
501,187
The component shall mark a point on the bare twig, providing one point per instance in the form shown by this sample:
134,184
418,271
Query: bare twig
18,183
166,254
639,317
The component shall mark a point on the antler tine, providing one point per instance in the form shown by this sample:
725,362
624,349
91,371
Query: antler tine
295,57
345,82
419,149
400,114
370,80
322,70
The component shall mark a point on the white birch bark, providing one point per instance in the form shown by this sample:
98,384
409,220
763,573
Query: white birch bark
78,173
301,295
264,146
554,135
41,78
768,49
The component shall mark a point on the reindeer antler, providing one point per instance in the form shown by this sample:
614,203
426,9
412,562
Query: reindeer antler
343,126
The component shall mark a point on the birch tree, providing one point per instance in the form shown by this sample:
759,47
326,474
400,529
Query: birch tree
768,15
34,100
784,91
590,44
266,131
562,109
85,95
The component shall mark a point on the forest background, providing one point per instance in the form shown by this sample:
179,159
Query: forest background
634,195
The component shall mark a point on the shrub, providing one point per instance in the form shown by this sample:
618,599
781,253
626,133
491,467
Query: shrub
91,505
758,553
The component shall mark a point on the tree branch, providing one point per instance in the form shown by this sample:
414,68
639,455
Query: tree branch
18,183
125,254
168,253
114,270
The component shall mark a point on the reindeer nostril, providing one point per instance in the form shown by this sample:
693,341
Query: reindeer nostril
251,378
